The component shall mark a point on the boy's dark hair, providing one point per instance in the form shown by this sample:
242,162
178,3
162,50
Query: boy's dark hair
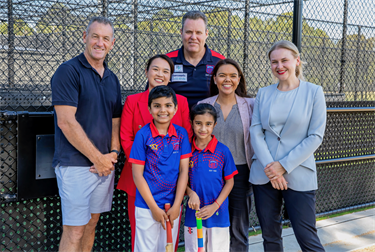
201,109
161,56
161,91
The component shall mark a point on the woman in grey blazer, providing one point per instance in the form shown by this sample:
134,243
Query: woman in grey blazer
288,124
234,109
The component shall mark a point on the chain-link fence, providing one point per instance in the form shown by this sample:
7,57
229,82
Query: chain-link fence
338,39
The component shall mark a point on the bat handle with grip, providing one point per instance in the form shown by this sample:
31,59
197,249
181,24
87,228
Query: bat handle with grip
200,234
169,247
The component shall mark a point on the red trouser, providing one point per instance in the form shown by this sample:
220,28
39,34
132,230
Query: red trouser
131,213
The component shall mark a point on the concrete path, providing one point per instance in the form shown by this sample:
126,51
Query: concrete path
344,233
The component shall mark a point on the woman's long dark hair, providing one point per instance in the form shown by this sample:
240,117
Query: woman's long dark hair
241,88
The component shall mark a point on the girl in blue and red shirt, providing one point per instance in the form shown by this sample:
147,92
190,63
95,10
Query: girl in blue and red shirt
211,173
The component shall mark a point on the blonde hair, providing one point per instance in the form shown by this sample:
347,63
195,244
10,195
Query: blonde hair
284,44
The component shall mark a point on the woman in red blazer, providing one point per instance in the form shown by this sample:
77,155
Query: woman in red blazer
135,115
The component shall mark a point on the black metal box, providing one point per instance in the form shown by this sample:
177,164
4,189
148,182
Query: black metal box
35,149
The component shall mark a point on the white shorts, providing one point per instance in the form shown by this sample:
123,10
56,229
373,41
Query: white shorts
214,239
150,235
83,193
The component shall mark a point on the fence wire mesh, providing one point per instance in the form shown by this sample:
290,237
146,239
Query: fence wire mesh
338,39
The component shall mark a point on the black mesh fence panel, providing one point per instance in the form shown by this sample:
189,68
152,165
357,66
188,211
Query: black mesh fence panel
338,39
338,46
348,134
354,187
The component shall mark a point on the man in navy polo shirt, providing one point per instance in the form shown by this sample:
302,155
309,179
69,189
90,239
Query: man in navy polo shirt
87,101
194,61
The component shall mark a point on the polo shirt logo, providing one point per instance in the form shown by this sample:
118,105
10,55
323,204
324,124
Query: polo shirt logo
213,163
178,68
191,164
153,146
209,69
176,146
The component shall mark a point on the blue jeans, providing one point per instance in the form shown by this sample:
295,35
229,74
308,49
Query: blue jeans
239,210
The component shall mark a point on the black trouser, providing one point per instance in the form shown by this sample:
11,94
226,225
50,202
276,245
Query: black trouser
301,210
239,210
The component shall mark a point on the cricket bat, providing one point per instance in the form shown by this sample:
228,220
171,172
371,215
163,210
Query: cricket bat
200,234
169,247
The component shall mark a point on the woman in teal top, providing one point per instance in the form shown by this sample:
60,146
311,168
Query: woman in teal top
288,124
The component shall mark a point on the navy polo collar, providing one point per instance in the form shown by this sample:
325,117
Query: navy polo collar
86,64
206,58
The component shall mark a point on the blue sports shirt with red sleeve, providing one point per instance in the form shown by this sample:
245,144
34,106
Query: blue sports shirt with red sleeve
193,82
161,157
209,168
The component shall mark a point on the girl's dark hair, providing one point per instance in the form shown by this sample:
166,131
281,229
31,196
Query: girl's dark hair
241,88
161,56
201,109
161,91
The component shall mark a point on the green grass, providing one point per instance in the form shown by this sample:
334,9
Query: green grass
257,232
181,249
252,233
344,213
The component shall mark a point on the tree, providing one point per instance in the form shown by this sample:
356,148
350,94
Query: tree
163,21
122,22
3,28
58,18
20,28
369,78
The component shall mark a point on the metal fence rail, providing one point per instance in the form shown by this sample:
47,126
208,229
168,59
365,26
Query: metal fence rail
338,42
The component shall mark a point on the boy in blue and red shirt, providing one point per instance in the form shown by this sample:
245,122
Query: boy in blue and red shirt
160,163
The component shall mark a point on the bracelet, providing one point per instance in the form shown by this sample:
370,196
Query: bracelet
116,151
217,203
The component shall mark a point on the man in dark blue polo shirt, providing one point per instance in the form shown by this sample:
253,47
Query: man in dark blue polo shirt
194,61
87,101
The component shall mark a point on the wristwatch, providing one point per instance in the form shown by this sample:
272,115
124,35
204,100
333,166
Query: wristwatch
116,151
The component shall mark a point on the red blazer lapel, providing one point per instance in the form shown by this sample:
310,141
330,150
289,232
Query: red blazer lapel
143,108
